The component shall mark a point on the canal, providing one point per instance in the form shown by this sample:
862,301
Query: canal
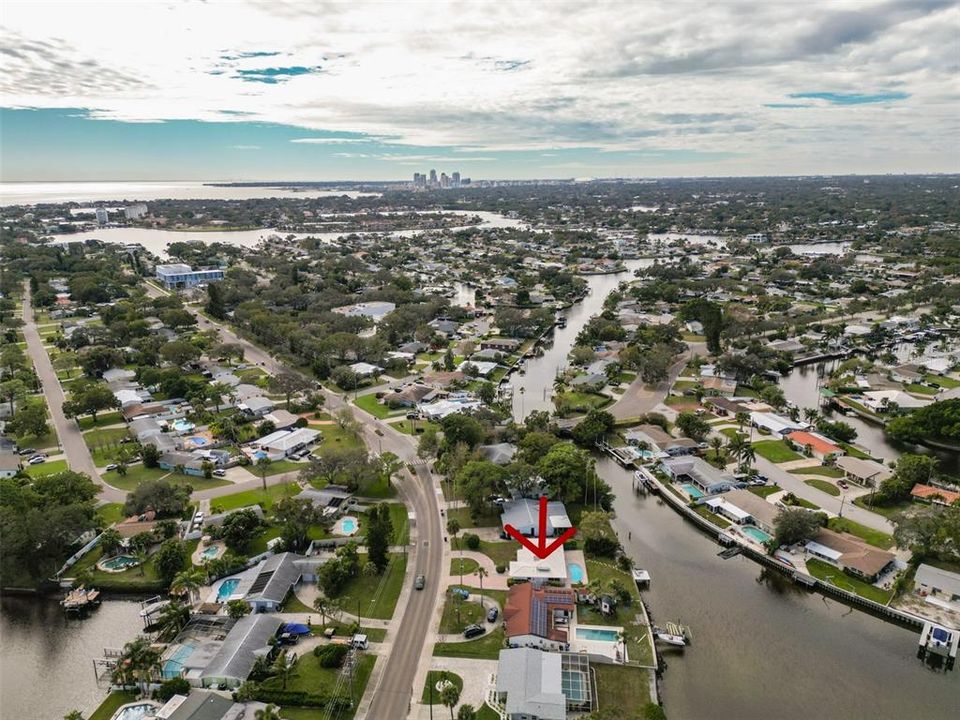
46,662
534,389
763,648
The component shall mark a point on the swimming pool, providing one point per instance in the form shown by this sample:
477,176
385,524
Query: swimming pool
226,590
197,440
692,490
348,525
118,563
259,455
588,633
135,712
756,533
183,425
211,552
575,572
174,664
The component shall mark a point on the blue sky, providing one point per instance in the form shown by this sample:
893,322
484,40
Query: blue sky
301,91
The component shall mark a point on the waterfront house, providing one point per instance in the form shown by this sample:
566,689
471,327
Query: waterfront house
938,587
589,383
934,495
483,369
528,566
850,554
536,685
248,640
376,311
879,401
538,617
200,705
815,444
724,406
524,516
773,423
704,476
869,473
441,408
505,345
745,508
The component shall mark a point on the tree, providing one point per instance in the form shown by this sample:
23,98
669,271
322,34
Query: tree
748,456
171,687
448,363
97,359
30,419
179,352
284,669
429,442
110,542
237,608
839,431
345,378
263,465
480,573
911,470
379,535
160,496
466,712
137,664
693,426
795,525
390,465
151,456
170,559
939,421
326,606
73,715
270,712
567,471
187,582
172,619
593,428
238,528
478,479
215,306
289,383
459,428
295,516
487,392
89,398
450,696
598,537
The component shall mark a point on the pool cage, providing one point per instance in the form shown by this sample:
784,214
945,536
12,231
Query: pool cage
576,682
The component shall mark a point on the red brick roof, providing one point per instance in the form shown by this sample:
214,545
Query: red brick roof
519,612
926,492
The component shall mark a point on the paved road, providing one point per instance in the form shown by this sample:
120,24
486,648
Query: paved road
394,689
71,439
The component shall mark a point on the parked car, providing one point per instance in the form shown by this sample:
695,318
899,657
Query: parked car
419,583
288,639
413,416
843,484
462,592
36,460
111,466
39,455
473,631
493,614
27,451
220,472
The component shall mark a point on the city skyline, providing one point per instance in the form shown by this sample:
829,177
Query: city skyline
248,91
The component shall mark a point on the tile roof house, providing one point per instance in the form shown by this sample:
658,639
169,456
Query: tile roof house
849,554
933,494
538,617
818,446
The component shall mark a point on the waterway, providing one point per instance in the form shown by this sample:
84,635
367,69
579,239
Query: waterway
763,648
46,659
33,193
534,389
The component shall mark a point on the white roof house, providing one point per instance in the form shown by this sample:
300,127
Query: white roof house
376,311
528,566
942,587
363,370
483,368
879,400
440,409
773,423
530,684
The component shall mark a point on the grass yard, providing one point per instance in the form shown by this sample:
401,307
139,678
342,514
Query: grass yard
766,490
464,566
500,552
401,523
376,596
137,579
835,576
47,441
886,511
265,498
824,486
942,380
702,511
621,687
571,403
854,452
824,470
136,474
110,513
335,436
313,679
920,389
490,518
258,544
110,418
800,502
51,467
470,613
776,451
105,445
434,677
372,405
113,702
413,427
869,535
376,635
486,647
276,467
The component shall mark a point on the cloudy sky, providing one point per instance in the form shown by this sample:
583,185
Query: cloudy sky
266,89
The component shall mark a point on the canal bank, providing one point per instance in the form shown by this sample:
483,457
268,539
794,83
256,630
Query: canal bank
763,647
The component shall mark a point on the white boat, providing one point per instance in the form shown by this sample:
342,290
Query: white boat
673,634
665,637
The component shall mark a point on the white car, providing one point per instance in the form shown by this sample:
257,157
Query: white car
219,472
36,460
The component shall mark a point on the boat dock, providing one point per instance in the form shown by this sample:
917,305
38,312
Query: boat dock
80,600
938,645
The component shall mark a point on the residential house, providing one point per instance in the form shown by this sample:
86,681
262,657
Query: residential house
724,406
248,640
744,508
257,406
483,369
880,400
365,370
719,386
850,554
539,617
524,516
189,463
774,424
281,419
201,705
143,428
934,495
695,470
528,566
284,443
505,345
410,395
863,472
275,580
177,276
10,464
591,382
815,444
441,408
536,685
376,311
939,587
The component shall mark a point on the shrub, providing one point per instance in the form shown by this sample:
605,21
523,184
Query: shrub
331,656
472,541
169,688
501,569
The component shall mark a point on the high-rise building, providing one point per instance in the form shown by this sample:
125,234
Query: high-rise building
135,212
456,179
103,217
444,180
433,178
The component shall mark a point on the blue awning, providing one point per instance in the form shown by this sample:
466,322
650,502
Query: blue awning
295,629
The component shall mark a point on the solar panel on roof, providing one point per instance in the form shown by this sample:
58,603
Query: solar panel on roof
261,582
538,618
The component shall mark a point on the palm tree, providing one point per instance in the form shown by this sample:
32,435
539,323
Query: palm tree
450,696
73,715
285,670
187,582
716,442
326,606
812,415
140,553
270,712
137,664
736,444
481,573
173,618
742,419
263,463
558,385
453,527
748,456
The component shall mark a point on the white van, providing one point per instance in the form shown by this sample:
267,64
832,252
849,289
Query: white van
359,642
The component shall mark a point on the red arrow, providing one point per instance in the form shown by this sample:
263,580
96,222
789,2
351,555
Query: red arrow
541,549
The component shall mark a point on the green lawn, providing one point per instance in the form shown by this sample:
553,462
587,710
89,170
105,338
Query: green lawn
500,552
47,441
136,474
410,427
258,544
376,596
824,470
485,712
824,486
470,613
873,537
702,511
485,647
920,389
110,513
51,467
335,436
490,518
372,405
580,402
136,579
434,677
110,418
766,490
800,502
265,498
376,635
854,452
776,451
943,381
835,576
621,687
275,468
311,678
382,489
886,511
111,704
293,604
465,566
401,523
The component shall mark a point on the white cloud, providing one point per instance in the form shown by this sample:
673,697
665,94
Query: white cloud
506,76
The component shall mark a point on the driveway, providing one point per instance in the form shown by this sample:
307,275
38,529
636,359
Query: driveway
641,398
